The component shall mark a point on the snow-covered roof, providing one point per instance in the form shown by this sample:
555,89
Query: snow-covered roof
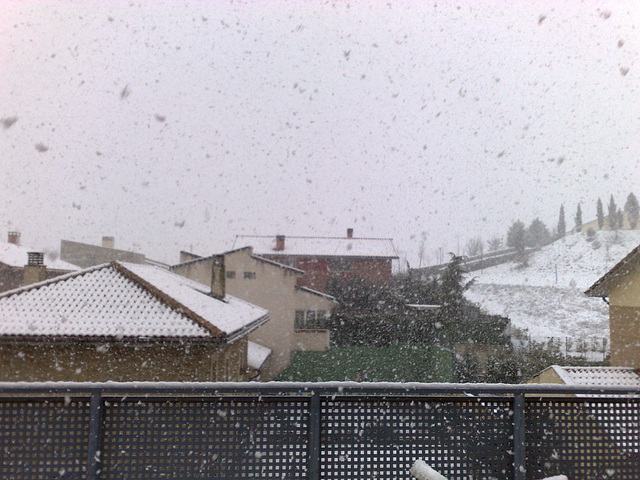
230,252
123,300
256,355
17,256
598,376
319,246
618,272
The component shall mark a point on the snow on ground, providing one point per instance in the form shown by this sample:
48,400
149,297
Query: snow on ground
547,297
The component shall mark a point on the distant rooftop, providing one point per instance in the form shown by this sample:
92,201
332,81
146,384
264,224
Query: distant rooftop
257,354
17,256
348,246
598,376
86,255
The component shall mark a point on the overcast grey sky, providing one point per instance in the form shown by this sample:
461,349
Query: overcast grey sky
179,125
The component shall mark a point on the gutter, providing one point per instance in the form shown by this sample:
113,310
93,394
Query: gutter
247,329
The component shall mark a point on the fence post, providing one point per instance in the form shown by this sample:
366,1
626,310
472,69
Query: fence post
95,435
519,452
314,436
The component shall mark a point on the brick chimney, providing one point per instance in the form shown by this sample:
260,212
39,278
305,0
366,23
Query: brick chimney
108,242
280,242
218,277
14,237
349,232
35,270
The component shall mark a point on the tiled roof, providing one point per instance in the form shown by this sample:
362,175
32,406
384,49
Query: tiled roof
120,300
612,277
598,376
320,246
16,256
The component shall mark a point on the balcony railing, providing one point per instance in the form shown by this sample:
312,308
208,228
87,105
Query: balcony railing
317,431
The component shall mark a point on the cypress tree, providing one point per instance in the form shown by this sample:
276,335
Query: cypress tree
613,214
579,218
562,225
632,210
600,214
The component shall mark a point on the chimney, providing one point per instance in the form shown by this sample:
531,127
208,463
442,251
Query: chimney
218,277
349,232
280,242
14,237
35,270
108,242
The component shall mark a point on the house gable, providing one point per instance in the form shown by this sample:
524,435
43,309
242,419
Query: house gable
622,285
616,275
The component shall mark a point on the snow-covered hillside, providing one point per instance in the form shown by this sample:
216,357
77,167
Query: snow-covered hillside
546,297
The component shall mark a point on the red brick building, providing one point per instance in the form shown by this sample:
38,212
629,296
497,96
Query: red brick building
324,257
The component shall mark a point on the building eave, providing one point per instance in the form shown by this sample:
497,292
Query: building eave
277,264
311,291
247,329
612,278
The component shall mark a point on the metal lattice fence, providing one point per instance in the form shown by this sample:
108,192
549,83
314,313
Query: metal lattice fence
316,431
361,437
200,438
43,438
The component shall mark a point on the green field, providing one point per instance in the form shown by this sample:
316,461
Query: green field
396,363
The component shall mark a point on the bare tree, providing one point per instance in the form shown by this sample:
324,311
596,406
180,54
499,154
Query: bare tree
494,244
475,247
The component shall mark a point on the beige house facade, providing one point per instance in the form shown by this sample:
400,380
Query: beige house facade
298,315
620,287
606,226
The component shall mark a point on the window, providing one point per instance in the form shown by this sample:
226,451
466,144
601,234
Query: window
341,265
312,320
231,274
249,275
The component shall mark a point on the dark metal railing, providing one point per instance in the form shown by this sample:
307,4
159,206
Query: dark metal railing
325,430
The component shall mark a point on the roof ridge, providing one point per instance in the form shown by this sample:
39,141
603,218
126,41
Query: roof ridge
60,278
317,237
273,262
196,260
612,275
168,300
